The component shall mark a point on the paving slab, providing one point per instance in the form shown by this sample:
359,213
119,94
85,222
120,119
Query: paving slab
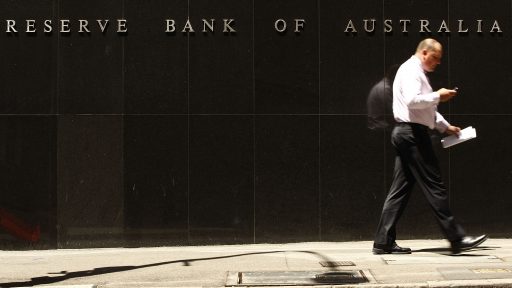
430,265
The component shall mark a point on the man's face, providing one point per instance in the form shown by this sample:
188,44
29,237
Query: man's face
431,58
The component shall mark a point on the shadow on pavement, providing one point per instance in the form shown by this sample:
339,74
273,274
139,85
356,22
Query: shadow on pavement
447,251
106,270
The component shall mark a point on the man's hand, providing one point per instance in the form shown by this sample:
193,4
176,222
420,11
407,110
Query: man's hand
451,130
446,94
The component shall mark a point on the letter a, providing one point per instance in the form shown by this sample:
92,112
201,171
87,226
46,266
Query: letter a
350,26
188,26
443,26
496,26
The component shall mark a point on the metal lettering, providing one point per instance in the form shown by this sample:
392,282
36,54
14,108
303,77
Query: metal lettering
350,25
366,25
209,25
227,27
496,26
103,24
443,26
121,26
282,23
299,23
170,23
11,26
188,27
405,22
424,26
48,26
387,25
83,26
461,22
64,26
31,26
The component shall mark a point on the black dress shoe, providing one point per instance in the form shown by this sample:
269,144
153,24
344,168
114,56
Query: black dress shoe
394,249
467,243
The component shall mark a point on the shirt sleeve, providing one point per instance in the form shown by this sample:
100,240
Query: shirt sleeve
441,123
411,90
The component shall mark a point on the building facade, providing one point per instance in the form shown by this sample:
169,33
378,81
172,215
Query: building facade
186,122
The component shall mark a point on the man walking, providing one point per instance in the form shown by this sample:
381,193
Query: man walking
415,110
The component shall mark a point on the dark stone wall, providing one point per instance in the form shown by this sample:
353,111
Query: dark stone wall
151,138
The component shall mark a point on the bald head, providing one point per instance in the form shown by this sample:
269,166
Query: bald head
429,44
429,52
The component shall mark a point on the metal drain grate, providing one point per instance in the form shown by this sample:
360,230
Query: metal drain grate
295,278
340,277
336,263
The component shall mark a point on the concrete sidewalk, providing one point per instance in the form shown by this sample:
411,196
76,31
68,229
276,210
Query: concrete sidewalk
299,264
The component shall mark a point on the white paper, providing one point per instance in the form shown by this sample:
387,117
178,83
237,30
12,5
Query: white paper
464,135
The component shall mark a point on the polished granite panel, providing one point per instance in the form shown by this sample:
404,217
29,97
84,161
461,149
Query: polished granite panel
287,178
481,174
90,180
221,179
221,63
350,62
352,177
286,64
27,181
29,59
156,62
90,64
480,62
156,199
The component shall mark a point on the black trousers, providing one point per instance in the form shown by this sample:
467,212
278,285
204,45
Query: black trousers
415,162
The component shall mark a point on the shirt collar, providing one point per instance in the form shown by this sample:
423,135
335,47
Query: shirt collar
417,61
